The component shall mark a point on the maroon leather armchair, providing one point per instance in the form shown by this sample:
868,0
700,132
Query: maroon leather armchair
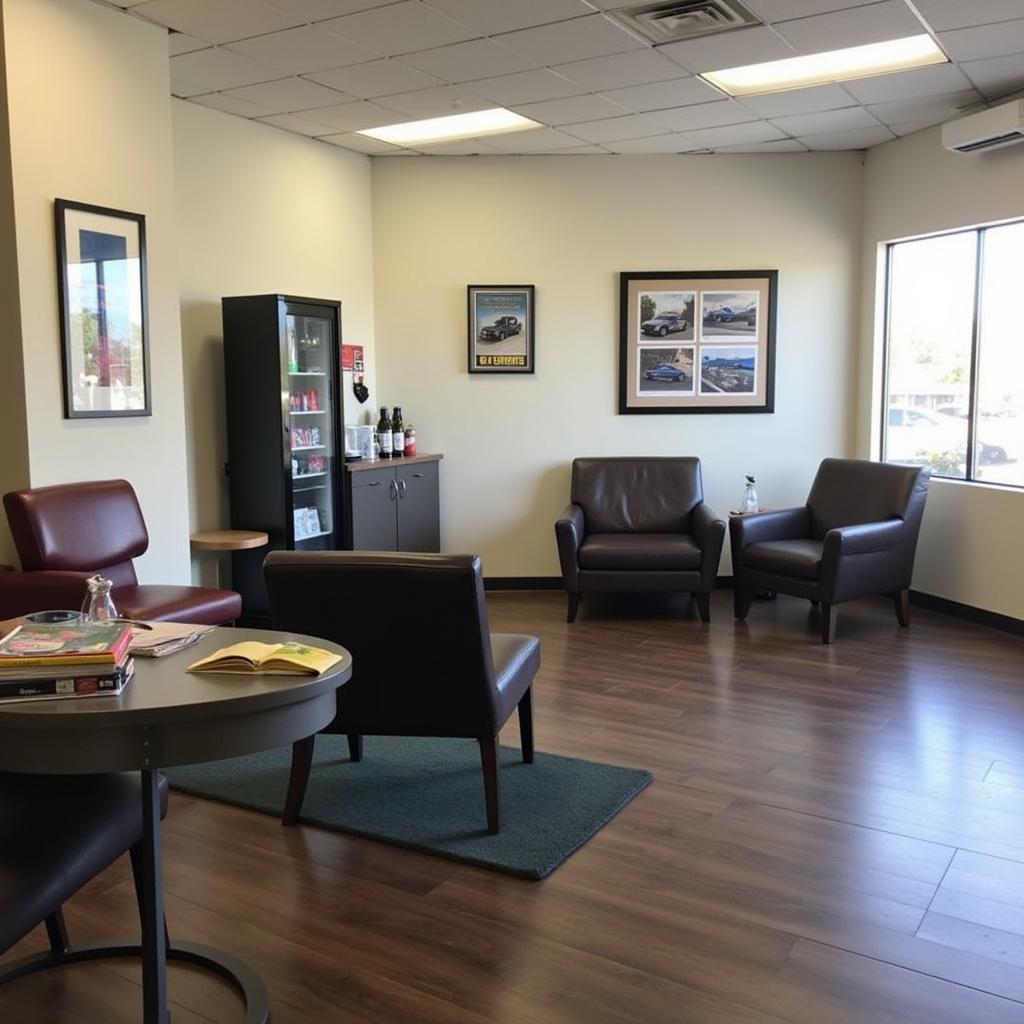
67,533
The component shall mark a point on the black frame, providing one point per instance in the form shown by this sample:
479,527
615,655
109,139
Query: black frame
628,276
60,208
531,323
972,396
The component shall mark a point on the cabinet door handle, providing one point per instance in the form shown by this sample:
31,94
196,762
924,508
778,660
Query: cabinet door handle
392,489
419,476
402,488
375,483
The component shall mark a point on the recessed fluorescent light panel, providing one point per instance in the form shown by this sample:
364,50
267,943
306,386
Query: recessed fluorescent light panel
830,66
455,126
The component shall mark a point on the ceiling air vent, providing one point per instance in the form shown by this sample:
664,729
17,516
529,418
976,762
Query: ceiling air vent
672,20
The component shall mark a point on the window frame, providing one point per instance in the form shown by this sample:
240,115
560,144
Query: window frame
979,231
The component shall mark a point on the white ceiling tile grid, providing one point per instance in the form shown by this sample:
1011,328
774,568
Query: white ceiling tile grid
331,67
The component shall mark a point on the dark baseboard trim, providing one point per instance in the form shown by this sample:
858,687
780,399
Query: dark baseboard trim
523,583
968,612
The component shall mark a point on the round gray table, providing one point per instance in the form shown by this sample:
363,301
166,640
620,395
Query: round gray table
165,717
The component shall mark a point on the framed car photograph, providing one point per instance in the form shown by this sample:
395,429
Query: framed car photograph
697,341
501,328
101,266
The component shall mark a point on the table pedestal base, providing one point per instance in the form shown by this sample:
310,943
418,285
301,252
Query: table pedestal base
244,978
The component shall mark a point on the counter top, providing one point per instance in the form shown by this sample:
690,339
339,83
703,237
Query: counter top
404,460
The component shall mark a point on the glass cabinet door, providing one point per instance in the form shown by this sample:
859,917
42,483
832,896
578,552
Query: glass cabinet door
311,414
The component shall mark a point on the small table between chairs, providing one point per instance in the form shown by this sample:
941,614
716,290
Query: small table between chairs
167,717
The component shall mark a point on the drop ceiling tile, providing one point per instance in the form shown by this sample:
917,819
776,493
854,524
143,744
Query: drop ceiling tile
671,143
320,10
436,102
178,42
458,147
947,14
660,95
535,140
859,138
185,89
702,115
799,101
463,62
354,117
826,121
302,50
776,146
218,68
568,111
735,134
375,78
784,10
575,151
629,126
526,87
489,17
218,22
294,123
908,85
996,76
599,74
399,28
923,112
728,49
359,143
230,105
287,95
857,26
984,41
590,36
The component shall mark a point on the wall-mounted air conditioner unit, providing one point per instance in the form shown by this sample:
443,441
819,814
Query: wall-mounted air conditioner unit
989,129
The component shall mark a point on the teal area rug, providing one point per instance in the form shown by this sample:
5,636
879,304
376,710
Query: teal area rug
427,795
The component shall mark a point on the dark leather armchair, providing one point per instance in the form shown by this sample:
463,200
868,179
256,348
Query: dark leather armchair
58,833
639,524
424,660
67,533
855,537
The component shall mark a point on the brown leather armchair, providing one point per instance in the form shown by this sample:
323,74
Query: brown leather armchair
855,537
639,524
67,533
424,660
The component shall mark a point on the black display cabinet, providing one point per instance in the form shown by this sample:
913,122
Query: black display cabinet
282,370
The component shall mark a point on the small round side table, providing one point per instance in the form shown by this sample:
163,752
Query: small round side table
220,541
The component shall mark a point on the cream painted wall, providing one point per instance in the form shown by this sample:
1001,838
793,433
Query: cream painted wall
913,186
90,120
259,211
569,225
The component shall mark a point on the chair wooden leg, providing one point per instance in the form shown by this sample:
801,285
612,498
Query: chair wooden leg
298,779
902,601
57,932
355,746
574,605
704,606
526,725
742,598
489,761
828,622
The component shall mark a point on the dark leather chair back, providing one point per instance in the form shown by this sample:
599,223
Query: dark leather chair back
83,527
847,492
417,629
637,495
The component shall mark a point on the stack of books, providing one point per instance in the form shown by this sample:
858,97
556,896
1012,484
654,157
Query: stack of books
47,662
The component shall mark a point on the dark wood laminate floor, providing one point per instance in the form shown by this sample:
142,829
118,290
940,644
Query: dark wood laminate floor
834,835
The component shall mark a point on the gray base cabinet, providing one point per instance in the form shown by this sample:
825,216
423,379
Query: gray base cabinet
395,507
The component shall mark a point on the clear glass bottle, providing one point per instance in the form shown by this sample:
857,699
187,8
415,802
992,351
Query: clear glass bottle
749,502
98,606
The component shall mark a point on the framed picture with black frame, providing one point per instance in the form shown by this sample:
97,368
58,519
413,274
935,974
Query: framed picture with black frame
697,341
101,273
501,320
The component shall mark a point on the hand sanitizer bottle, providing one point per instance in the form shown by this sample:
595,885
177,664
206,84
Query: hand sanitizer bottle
749,502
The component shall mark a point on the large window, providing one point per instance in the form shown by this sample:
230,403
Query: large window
954,354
